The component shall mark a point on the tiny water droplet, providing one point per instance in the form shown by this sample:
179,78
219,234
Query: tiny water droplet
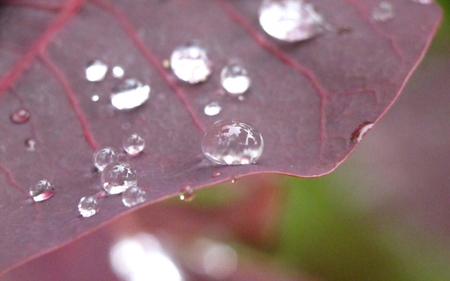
30,144
212,108
425,2
103,157
133,144
241,98
361,131
118,72
118,177
187,194
216,174
230,142
166,63
190,63
235,79
96,71
129,94
290,20
233,180
20,116
88,206
95,98
133,196
41,191
383,12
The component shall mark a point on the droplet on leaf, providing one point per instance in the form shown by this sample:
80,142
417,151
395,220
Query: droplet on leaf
30,144
290,20
383,12
235,79
88,206
133,144
187,194
118,177
361,131
20,116
103,157
133,196
190,63
96,71
118,72
230,142
129,94
95,98
212,108
41,191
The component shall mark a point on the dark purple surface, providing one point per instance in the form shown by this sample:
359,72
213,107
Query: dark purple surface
306,99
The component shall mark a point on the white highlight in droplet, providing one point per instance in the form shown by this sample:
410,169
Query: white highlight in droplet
96,71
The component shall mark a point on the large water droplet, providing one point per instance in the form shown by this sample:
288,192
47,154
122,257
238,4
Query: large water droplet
190,63
133,196
118,72
96,71
235,79
133,144
212,108
383,12
88,206
118,177
187,194
129,94
103,157
30,144
425,2
41,191
230,142
20,116
290,20
361,131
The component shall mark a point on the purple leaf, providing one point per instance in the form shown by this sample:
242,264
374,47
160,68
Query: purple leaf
308,99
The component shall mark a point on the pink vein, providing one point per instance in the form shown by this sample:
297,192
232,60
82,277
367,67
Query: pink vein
11,179
68,11
72,99
284,58
151,58
40,6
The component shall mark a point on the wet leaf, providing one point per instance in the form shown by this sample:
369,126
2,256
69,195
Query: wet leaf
307,99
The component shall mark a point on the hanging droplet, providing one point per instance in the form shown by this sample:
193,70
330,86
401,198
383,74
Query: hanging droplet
190,63
290,20
425,2
383,12
187,194
212,108
133,196
41,191
118,72
118,177
230,142
20,116
129,94
133,144
96,71
103,157
235,79
30,144
88,206
361,131
216,174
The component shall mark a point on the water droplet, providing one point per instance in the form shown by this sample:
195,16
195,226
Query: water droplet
230,142
361,131
133,144
129,94
425,2
43,190
234,79
118,177
290,20
216,174
133,196
166,63
30,144
88,206
233,180
190,63
103,157
96,71
241,98
212,108
20,116
95,98
383,12
187,194
118,72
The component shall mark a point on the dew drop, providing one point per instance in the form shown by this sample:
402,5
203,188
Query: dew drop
235,79
425,2
118,177
30,144
230,142
290,20
216,174
383,12
361,131
95,98
96,71
88,206
103,157
20,116
129,94
133,144
41,191
190,63
233,180
133,196
118,72
212,108
187,194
